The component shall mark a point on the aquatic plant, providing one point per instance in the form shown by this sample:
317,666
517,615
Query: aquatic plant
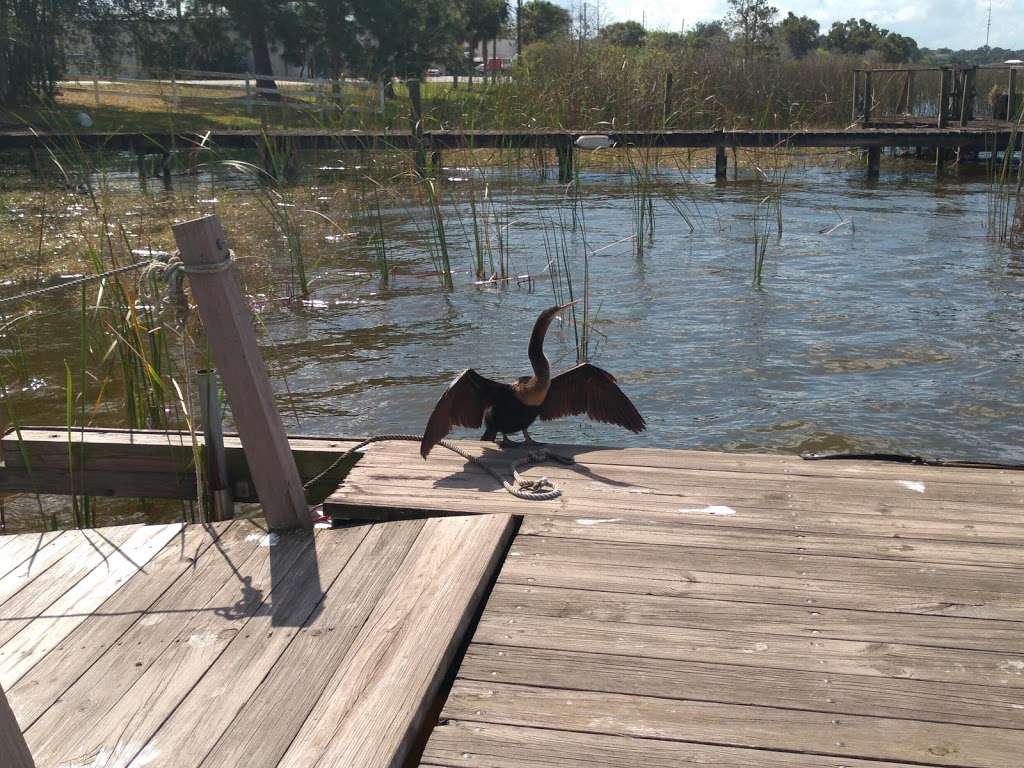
438,242
1006,192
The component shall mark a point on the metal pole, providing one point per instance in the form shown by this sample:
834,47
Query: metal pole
944,82
1011,96
868,96
221,503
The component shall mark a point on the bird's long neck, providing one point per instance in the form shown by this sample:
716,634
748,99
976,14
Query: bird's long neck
541,367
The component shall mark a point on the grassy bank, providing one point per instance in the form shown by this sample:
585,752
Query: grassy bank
563,85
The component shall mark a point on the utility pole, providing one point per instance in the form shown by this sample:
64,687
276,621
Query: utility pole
519,27
988,26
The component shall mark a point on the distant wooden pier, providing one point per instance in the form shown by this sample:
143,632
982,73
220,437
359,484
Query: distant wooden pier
973,137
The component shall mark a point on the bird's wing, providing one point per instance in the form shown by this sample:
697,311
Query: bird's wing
462,405
593,391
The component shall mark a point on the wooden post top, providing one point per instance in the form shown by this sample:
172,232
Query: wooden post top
201,241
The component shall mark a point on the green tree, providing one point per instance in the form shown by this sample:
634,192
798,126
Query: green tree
858,36
626,34
751,23
484,20
666,41
402,38
543,20
800,34
323,35
256,20
898,48
704,34
31,47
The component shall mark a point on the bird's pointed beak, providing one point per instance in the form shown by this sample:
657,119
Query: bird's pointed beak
570,304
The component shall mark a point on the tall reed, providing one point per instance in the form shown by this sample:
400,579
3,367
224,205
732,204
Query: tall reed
1006,193
438,242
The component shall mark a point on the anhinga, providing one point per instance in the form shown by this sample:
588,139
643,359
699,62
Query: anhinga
472,400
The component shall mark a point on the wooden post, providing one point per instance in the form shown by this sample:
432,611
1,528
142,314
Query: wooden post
874,160
667,109
174,89
945,76
13,749
855,117
1011,96
96,86
721,163
416,119
232,340
940,161
967,89
248,96
868,95
566,157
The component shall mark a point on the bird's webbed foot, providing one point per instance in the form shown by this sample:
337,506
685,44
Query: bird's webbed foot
506,443
529,440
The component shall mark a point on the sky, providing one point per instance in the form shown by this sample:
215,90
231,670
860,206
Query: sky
933,23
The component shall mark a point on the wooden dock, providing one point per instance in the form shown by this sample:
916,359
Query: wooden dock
227,645
680,607
981,136
671,608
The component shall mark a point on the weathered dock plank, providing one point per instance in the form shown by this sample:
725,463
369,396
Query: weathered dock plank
677,607
377,699
139,463
877,738
487,745
47,631
906,699
94,549
817,622
732,576
255,728
41,686
231,645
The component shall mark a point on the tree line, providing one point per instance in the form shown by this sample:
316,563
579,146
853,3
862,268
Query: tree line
757,29
382,39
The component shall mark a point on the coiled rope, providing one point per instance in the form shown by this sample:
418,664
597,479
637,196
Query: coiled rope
541,489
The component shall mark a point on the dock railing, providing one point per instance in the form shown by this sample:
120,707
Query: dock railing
191,88
938,96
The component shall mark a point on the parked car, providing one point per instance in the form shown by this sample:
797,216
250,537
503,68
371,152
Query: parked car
433,72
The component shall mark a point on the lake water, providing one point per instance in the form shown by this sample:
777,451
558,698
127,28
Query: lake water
886,319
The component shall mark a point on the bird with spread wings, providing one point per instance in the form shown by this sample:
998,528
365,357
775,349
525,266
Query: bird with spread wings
473,400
